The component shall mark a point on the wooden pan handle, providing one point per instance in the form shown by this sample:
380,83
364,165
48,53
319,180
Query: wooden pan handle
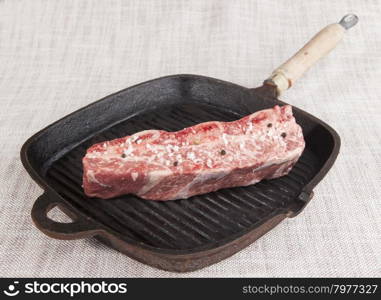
320,45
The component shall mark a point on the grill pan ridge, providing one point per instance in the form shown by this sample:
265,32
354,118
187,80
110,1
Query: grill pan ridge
180,235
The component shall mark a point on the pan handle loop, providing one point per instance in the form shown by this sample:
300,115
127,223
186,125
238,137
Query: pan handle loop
79,228
319,46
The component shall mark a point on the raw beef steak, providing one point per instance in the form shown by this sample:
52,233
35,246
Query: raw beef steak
161,165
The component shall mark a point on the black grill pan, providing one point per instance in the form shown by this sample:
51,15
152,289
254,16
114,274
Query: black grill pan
181,235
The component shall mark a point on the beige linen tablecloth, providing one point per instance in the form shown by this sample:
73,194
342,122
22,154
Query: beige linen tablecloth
57,56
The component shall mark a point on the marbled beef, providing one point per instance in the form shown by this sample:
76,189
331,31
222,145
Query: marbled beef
161,165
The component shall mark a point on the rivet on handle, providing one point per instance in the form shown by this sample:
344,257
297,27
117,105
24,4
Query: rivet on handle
348,21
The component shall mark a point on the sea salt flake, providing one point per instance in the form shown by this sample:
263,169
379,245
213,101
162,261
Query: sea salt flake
224,139
191,155
250,126
128,151
209,163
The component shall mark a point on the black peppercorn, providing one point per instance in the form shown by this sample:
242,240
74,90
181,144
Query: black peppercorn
269,125
283,135
123,155
223,152
175,163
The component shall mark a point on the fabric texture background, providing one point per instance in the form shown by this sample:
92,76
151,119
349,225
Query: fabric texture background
57,56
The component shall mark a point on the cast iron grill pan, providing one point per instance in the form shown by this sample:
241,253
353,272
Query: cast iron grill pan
180,235
201,221
189,234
